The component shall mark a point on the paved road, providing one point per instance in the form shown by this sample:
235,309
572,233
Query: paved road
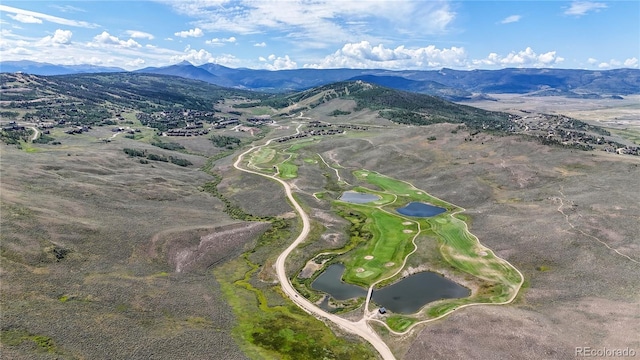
361,327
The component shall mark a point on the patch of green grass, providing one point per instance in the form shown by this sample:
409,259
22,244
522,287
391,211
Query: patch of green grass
389,244
17,337
261,110
300,144
28,147
400,323
288,170
263,155
631,135
267,331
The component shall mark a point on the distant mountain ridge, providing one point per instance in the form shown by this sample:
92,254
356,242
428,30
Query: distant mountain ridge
46,69
446,83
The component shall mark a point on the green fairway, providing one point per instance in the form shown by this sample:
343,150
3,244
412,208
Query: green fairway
385,252
288,170
263,156
390,242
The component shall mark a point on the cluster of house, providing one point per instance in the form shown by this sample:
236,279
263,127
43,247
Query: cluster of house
187,132
320,128
320,124
170,119
128,130
222,123
566,131
352,127
78,130
310,133
13,126
260,120
624,150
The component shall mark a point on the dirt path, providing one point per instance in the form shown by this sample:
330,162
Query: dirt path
36,133
360,328
334,169
566,217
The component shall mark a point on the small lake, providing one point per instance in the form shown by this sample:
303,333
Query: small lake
415,291
358,197
419,209
330,281
404,297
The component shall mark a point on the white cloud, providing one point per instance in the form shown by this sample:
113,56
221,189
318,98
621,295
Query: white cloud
511,19
199,57
579,8
136,63
60,37
135,34
260,44
50,18
592,61
67,8
363,55
221,42
524,58
631,62
27,19
321,22
197,32
280,63
17,51
107,39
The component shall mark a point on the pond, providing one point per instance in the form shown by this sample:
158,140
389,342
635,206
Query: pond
358,197
415,291
404,297
330,282
419,209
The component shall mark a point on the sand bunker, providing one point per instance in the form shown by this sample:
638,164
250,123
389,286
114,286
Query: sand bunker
368,257
407,223
389,264
359,270
482,253
407,231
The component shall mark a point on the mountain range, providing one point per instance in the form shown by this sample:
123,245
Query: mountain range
450,84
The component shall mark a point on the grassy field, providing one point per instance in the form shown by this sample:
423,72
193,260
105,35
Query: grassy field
381,255
287,169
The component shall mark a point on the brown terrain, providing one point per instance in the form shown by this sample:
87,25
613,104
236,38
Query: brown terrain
107,257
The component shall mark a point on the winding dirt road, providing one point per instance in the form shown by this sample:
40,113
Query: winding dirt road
360,328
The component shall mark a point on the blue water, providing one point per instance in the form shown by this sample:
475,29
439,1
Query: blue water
330,281
404,297
358,197
419,209
415,291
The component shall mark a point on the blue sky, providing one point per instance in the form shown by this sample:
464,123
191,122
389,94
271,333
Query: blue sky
291,34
